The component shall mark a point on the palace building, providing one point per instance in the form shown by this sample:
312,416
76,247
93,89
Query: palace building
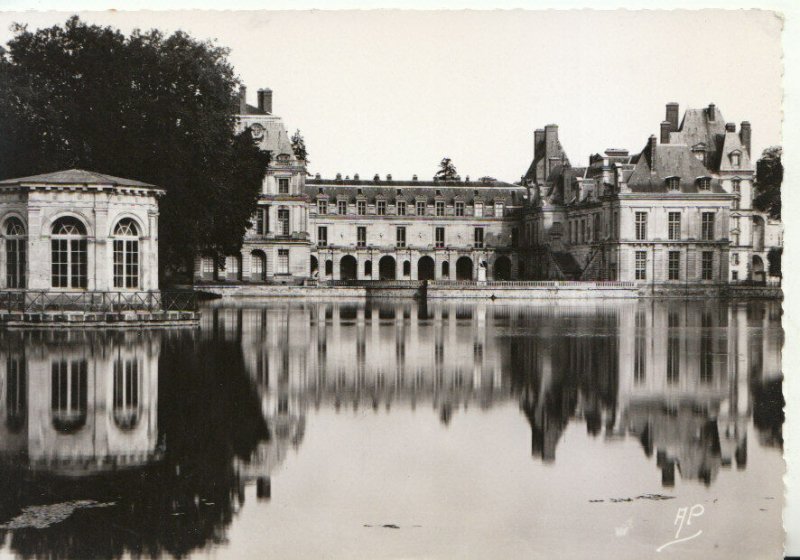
677,212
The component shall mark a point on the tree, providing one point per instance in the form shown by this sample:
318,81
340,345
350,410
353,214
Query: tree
769,177
299,147
447,171
146,106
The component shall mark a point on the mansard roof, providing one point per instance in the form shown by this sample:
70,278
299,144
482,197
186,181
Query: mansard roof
669,160
349,189
75,177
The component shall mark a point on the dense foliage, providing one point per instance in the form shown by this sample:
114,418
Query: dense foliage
769,177
147,106
447,171
299,147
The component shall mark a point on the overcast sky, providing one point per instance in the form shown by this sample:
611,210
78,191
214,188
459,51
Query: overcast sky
394,92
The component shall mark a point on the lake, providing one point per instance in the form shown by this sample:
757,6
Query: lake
395,429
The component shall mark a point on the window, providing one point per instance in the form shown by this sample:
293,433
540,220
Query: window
69,254
368,268
401,236
459,208
68,393
283,261
673,183
16,253
735,275
361,207
514,237
596,228
641,265
445,269
498,209
640,349
736,184
673,357
232,267
674,265
361,235
341,207
735,222
322,206
708,265
735,239
401,207
420,208
283,185
126,393
708,226
16,393
583,230
439,237
440,208
736,159
406,268
735,204
641,226
381,207
322,236
479,238
283,221
704,183
126,254
735,258
479,209
207,266
262,221
674,226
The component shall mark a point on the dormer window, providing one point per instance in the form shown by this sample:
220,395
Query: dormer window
699,152
673,183
736,184
704,183
736,158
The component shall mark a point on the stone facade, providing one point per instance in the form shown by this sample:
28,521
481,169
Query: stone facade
78,231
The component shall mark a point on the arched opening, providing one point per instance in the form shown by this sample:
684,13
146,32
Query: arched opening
758,269
16,253
464,268
406,269
126,393
368,269
387,268
233,268
314,267
446,269
425,268
126,254
758,233
348,268
68,254
328,268
502,268
258,266
68,394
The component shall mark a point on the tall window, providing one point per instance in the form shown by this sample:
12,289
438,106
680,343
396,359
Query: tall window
341,207
401,207
479,238
514,237
737,186
708,265
322,236
68,253
596,227
674,226
283,185
322,206
439,237
16,253
361,233
126,254
440,208
283,261
361,207
736,159
708,226
498,209
735,258
704,183
641,265
401,236
381,207
16,393
262,220
674,265
641,226
478,209
283,221
420,208
68,393
126,393
459,208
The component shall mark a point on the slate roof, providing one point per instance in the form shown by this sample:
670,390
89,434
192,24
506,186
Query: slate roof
670,161
410,190
696,128
76,176
732,143
276,138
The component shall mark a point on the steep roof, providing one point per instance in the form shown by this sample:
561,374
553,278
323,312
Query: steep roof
276,138
733,143
697,128
410,190
76,177
669,160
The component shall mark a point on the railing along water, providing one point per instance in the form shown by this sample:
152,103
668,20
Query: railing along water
38,301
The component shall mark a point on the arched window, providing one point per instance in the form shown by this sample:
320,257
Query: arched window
16,253
68,254
126,393
126,254
673,183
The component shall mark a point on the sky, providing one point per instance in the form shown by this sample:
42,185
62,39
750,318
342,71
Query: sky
396,91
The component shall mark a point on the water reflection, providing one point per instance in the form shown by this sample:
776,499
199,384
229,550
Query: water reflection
172,427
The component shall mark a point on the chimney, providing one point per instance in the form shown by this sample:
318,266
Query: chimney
730,127
666,128
745,134
242,100
672,115
356,177
711,112
550,147
538,143
652,142
265,100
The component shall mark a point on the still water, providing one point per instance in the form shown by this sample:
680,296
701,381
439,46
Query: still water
399,430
